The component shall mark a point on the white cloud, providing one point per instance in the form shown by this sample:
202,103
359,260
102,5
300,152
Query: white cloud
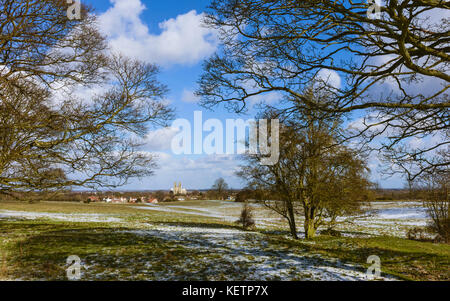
329,77
266,98
189,96
416,142
422,85
372,120
194,172
160,140
183,40
200,172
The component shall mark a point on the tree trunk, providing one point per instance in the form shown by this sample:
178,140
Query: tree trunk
291,219
293,228
310,229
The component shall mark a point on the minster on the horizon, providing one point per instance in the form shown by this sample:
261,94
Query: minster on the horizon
178,189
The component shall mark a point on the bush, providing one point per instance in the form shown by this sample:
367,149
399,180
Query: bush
439,222
435,188
246,219
417,233
439,239
438,210
331,232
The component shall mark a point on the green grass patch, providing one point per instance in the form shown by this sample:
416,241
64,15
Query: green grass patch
406,259
38,249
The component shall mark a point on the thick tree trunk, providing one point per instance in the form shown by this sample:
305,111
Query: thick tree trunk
293,228
291,219
310,229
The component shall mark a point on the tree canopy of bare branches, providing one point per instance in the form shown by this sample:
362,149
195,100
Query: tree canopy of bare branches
316,176
393,66
71,113
220,187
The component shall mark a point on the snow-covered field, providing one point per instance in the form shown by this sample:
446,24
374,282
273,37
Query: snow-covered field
223,210
250,251
391,219
240,250
76,217
385,218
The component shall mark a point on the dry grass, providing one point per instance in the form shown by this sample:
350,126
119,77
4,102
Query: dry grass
37,249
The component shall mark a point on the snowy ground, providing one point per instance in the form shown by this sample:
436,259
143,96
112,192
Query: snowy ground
251,252
231,254
386,218
76,217
223,210
391,219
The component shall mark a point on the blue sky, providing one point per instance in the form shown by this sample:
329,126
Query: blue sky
169,33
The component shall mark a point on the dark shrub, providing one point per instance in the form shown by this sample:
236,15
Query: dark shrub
417,233
331,232
246,219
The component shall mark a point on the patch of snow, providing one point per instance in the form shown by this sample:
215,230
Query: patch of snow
402,213
224,210
251,253
75,217
388,218
198,213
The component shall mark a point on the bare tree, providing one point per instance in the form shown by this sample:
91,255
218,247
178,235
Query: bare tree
160,195
392,64
51,134
437,202
220,187
316,176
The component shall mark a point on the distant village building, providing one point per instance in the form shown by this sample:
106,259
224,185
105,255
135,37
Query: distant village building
178,189
115,200
132,200
119,200
129,200
93,199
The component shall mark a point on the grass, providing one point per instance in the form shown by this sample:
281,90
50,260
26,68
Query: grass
41,249
68,207
38,249
405,259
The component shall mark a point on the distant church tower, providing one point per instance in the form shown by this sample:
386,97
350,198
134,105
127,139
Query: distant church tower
178,189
